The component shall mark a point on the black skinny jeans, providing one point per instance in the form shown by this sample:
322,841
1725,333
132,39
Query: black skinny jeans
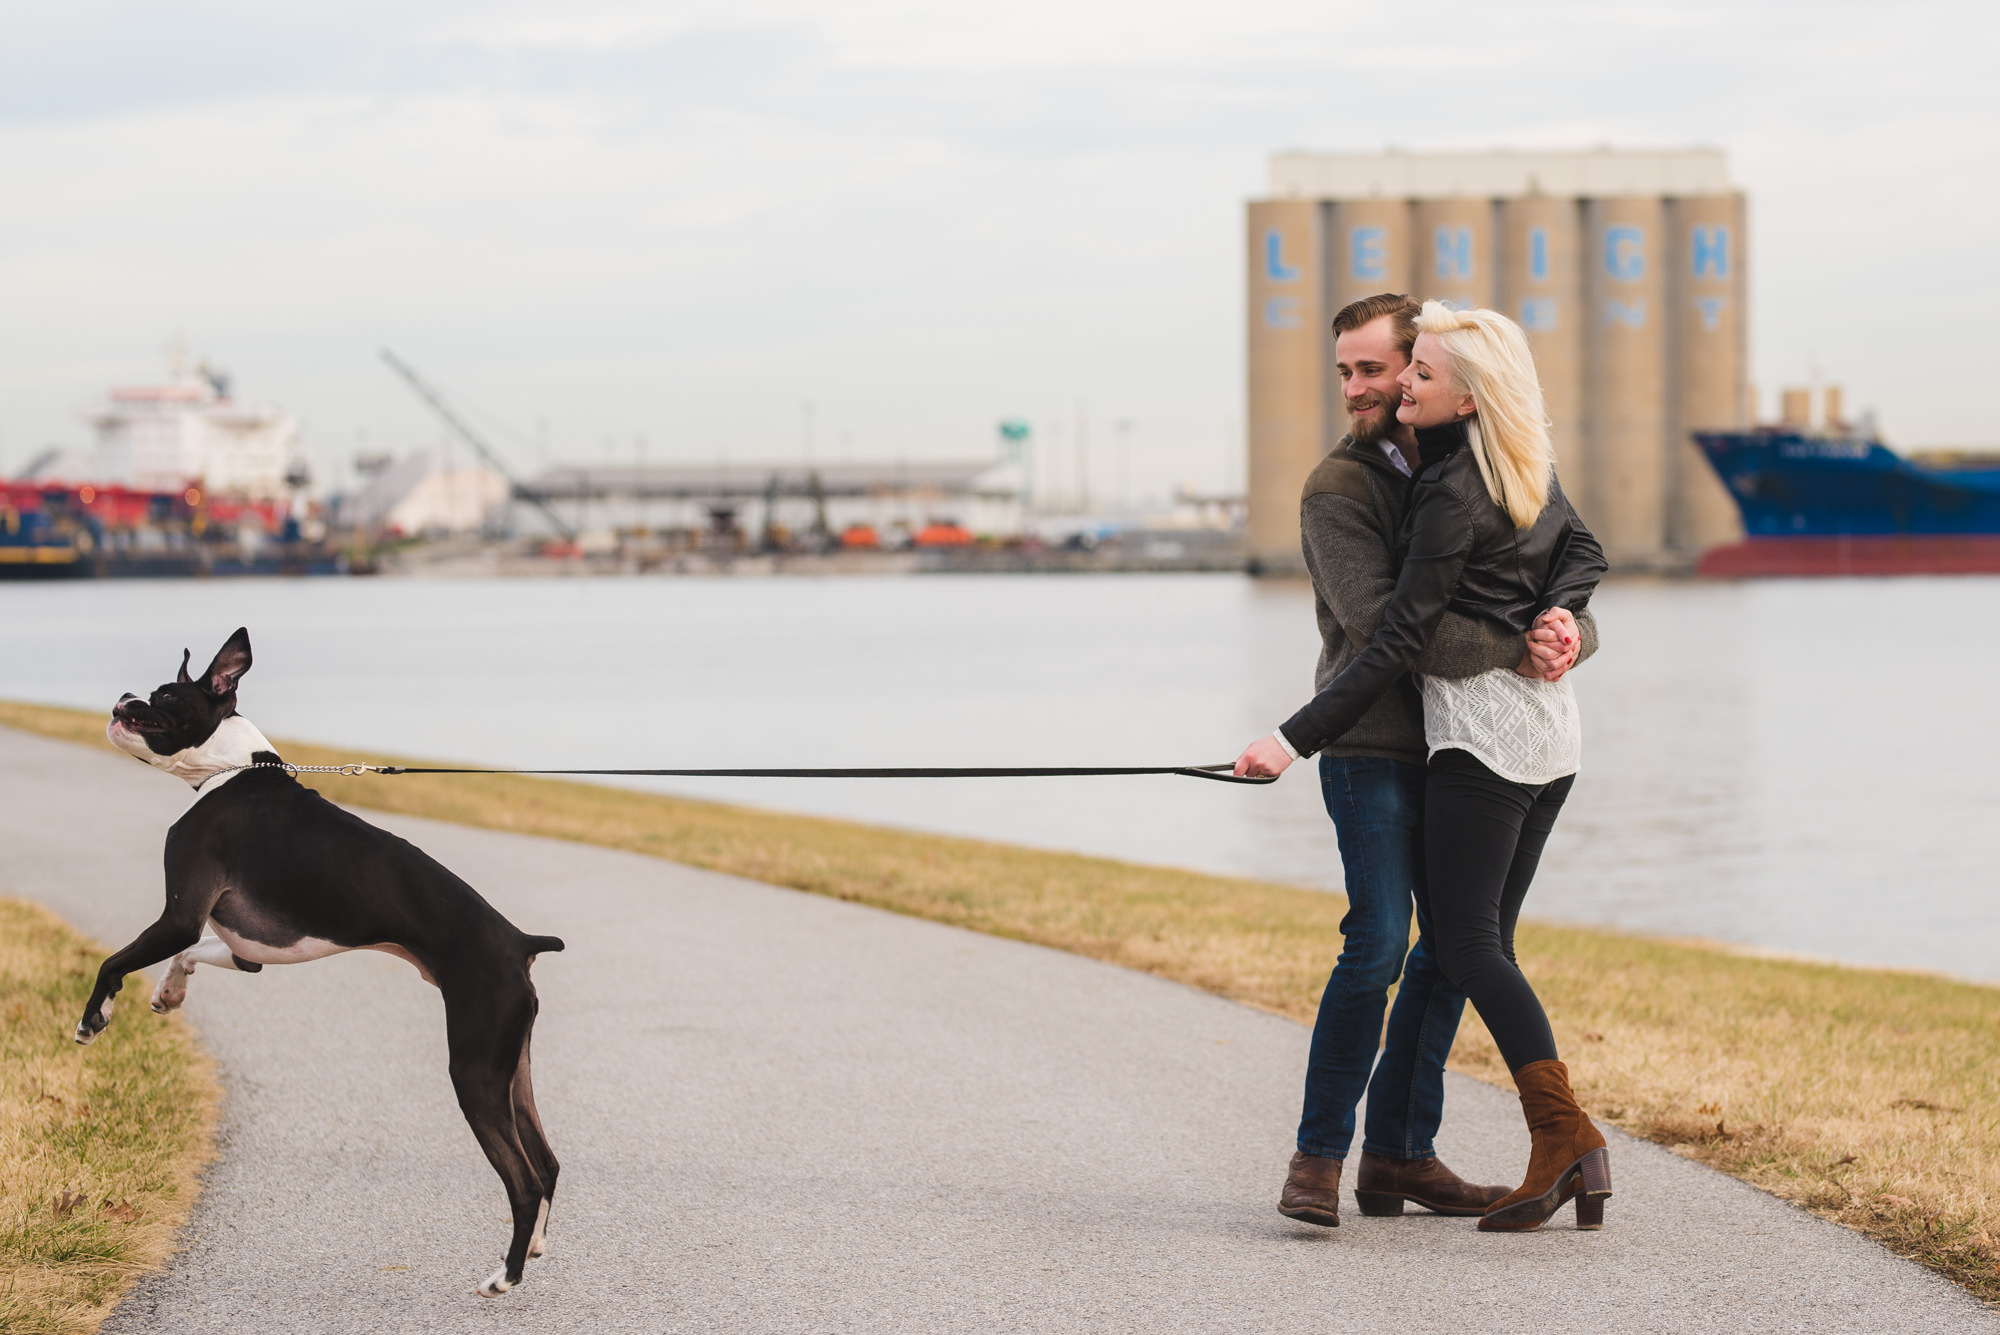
1483,838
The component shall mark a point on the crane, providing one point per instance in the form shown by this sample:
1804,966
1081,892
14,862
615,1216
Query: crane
470,437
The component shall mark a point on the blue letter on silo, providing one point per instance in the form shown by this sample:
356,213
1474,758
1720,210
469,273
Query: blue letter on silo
1454,252
1711,252
1625,253
1275,267
1365,247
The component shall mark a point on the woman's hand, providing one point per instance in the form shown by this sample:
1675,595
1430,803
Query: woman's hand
1553,642
1262,758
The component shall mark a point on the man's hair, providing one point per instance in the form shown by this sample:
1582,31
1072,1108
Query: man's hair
1402,313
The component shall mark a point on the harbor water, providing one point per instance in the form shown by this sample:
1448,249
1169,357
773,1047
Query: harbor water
1806,766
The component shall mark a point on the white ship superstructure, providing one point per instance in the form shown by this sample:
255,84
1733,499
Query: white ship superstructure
190,432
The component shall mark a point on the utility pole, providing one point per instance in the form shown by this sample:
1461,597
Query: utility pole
1055,464
1124,429
639,486
1082,457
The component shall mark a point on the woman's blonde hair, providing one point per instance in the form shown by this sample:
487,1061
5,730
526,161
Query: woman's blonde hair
1509,430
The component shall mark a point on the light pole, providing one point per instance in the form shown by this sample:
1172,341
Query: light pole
1015,437
1123,426
1082,458
639,487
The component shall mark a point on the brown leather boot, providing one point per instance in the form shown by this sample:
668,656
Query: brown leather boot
1383,1184
1312,1191
1568,1158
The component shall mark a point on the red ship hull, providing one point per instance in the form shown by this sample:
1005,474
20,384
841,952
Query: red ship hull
1885,554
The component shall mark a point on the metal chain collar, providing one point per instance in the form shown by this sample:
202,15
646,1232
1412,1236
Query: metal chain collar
295,770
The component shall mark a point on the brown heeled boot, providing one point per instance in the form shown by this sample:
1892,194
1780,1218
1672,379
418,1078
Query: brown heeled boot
1568,1158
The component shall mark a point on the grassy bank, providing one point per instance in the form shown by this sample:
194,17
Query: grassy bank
1870,1097
99,1146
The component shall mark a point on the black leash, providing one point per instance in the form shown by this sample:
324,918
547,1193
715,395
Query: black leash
1220,773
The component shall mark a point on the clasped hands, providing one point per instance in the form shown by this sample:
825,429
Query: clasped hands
1553,642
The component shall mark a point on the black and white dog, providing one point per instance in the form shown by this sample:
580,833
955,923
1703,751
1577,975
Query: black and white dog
279,875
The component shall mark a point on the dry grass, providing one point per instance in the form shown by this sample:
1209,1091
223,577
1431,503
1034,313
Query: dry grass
99,1146
1870,1097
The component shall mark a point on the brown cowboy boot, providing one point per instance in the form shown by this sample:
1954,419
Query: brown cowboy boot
1568,1157
1383,1184
1312,1191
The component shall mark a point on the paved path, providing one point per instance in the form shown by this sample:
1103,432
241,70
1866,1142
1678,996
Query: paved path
781,1113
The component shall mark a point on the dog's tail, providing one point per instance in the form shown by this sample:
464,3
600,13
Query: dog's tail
541,945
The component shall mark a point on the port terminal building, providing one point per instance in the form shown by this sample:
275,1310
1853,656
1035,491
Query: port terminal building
1626,269
741,502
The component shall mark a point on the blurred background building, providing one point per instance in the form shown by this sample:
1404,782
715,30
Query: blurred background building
1626,269
423,493
187,431
771,504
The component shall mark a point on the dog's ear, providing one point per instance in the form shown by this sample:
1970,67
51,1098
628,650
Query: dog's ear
232,660
184,678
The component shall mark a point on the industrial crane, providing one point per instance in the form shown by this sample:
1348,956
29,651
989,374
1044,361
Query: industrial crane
465,433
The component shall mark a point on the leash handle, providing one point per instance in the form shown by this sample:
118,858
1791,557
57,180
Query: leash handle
1223,773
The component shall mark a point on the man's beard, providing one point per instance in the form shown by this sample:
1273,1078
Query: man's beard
1377,425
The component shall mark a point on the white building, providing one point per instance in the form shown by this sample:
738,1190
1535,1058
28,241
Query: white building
190,432
425,492
980,495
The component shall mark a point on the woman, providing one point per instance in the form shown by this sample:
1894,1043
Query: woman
1488,533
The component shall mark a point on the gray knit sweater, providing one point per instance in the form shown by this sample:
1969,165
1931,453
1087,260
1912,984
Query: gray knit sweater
1349,515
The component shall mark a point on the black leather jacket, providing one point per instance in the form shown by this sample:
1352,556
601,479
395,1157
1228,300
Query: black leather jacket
1459,551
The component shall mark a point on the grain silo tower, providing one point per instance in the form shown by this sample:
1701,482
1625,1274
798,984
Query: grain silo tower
1626,269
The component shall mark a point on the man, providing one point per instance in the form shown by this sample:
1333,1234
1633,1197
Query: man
1372,780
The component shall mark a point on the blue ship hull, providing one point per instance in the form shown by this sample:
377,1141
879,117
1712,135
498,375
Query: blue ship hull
1791,485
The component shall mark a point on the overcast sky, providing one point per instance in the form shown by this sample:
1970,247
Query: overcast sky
684,222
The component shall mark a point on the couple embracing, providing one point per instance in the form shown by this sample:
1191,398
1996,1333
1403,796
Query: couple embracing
1451,577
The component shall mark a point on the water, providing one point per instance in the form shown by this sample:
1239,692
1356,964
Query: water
1803,765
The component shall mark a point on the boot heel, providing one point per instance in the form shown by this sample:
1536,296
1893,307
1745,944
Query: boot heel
1596,1167
1595,1189
1377,1206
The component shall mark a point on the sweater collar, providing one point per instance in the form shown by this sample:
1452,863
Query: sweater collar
1437,443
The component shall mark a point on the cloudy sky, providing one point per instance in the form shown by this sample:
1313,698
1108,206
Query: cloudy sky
600,222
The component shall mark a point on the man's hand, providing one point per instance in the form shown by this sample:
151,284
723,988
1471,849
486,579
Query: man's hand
1553,643
1263,757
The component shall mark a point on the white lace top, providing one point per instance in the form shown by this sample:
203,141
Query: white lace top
1519,727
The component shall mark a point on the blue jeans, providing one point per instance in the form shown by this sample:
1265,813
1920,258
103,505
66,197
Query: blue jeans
1378,812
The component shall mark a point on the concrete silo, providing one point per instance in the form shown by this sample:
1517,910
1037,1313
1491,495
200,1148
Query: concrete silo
1453,255
1626,269
1541,288
1287,321
1711,311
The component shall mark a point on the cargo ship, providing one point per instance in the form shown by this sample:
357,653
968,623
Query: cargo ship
183,479
83,531
1845,504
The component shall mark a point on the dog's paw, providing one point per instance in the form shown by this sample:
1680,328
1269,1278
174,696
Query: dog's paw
168,1000
86,1031
538,1246
496,1284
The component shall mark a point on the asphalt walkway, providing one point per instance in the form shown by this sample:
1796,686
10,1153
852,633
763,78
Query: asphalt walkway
781,1113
